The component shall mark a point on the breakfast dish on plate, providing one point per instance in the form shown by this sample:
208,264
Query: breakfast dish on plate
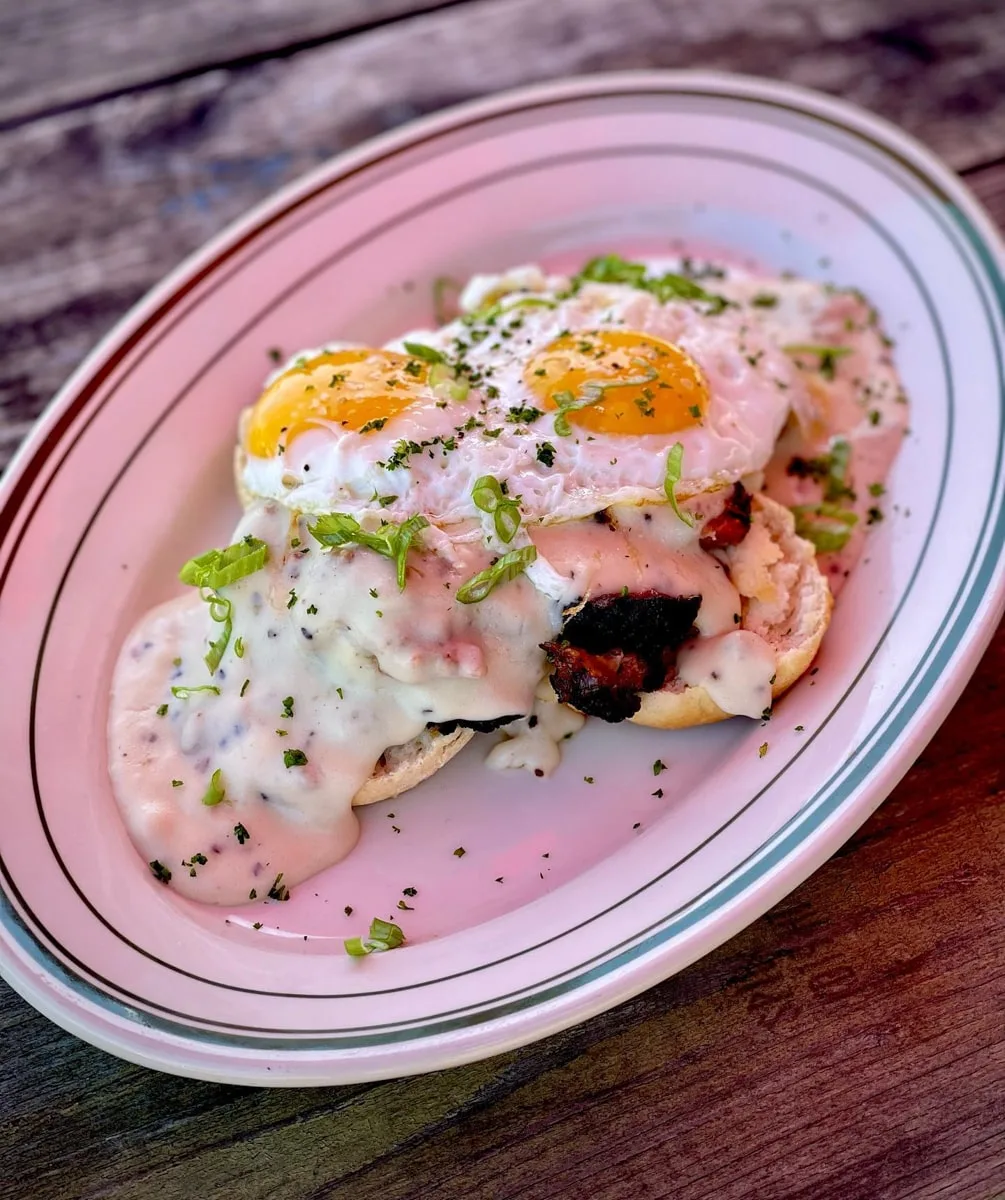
625,494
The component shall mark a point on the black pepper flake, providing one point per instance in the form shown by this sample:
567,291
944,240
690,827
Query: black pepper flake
409,891
637,825
658,793
253,894
241,833
348,910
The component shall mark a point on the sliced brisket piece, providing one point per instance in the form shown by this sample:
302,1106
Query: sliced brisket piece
615,647
600,685
730,527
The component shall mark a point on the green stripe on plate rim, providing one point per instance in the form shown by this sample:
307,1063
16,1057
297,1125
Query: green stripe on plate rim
868,755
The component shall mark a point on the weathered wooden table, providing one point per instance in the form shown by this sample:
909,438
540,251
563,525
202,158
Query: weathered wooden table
850,1045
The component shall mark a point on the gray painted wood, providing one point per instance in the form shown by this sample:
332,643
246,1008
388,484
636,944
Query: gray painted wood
850,1045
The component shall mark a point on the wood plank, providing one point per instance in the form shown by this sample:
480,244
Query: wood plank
68,52
848,1046
98,204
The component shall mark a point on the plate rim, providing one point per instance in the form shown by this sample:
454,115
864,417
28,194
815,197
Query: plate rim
920,723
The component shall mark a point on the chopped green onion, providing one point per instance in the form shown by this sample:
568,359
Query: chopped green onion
162,710
836,487
593,391
827,526
509,566
489,495
425,353
612,268
392,541
218,568
546,454
216,790
384,935
675,461
239,647
183,693
221,610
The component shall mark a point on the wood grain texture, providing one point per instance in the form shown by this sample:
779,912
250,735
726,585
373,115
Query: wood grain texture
97,204
68,52
848,1046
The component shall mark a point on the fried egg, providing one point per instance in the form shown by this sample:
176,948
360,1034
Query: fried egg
573,392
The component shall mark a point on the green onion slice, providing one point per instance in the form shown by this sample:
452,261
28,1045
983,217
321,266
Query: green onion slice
426,353
593,391
218,568
675,460
183,693
509,566
827,526
392,541
489,495
384,935
216,791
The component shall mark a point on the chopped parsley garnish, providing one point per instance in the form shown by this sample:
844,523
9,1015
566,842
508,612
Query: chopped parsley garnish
405,907
460,852
645,406
294,758
873,515
279,890
409,891
245,686
524,414
341,694
762,749
425,353
505,568
671,478
587,778
161,873
376,423
183,693
241,834
413,368
293,598
826,525
162,710
288,707
197,860
876,489
374,593
659,766
875,416
177,783
392,541
546,454
764,300
826,356
612,268
275,354
216,791
384,935
489,496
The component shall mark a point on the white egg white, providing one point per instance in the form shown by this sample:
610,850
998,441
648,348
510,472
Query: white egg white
753,385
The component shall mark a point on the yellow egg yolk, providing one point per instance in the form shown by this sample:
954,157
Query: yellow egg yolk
619,381
358,390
